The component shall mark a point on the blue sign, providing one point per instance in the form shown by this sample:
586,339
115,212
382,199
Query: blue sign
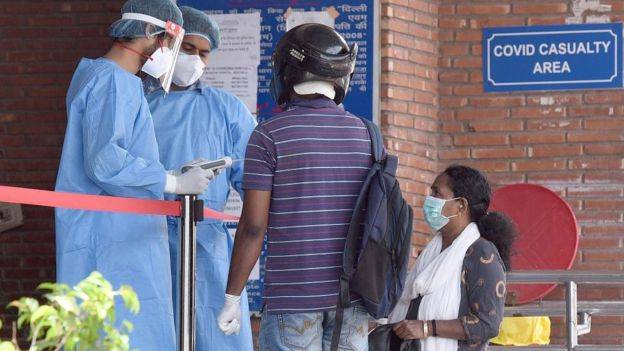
586,56
357,22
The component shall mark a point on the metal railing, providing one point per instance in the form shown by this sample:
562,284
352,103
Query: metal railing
577,313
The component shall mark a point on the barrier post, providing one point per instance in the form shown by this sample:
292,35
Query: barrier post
191,213
571,315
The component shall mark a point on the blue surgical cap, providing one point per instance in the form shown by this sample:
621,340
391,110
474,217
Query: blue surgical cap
199,23
165,10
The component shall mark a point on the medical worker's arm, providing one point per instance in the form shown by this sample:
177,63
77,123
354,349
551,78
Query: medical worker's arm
249,239
117,118
241,125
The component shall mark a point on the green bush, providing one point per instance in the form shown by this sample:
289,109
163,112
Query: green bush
78,319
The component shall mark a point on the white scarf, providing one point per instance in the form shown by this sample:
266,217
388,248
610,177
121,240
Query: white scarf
437,277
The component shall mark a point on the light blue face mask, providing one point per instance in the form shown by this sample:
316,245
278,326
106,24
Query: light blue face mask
432,209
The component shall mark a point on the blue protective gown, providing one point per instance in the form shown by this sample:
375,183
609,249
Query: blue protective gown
204,122
110,149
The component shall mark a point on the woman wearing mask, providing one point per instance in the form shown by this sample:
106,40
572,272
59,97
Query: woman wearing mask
454,296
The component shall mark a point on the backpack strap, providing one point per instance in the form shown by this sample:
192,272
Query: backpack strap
377,145
392,163
380,155
349,256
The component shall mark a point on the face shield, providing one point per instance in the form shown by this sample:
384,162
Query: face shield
162,62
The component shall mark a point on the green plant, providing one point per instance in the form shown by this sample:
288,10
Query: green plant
78,319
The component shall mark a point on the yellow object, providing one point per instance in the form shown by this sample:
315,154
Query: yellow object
523,331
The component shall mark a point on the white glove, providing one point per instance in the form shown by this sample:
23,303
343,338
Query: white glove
174,172
230,316
193,182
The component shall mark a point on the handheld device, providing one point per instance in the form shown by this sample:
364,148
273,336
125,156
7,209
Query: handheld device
214,165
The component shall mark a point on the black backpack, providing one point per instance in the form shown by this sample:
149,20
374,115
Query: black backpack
378,243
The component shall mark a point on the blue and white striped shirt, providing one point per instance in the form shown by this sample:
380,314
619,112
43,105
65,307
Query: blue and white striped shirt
313,158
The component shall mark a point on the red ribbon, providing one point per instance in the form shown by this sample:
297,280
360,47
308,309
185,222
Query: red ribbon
100,203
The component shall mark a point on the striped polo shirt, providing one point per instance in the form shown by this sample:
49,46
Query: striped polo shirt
313,158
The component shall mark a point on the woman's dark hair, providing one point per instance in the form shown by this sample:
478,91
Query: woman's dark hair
496,227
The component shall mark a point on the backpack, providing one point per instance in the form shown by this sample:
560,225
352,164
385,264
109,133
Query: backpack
377,248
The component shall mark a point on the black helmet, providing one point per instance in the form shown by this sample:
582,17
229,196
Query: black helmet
312,52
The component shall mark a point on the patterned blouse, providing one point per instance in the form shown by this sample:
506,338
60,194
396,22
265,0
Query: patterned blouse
483,289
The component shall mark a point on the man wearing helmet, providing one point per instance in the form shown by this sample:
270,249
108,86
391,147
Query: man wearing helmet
304,169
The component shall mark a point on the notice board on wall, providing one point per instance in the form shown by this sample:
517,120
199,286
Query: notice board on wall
356,20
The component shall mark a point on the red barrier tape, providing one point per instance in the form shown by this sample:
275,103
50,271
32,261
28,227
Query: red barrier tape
100,203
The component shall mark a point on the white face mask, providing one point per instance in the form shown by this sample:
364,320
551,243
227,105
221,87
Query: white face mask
159,62
188,70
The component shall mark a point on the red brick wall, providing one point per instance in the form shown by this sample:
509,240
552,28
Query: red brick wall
40,44
572,142
409,91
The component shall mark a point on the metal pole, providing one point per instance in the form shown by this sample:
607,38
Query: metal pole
186,275
571,315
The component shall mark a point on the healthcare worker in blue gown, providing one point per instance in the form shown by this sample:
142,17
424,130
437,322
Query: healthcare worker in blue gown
196,121
110,149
